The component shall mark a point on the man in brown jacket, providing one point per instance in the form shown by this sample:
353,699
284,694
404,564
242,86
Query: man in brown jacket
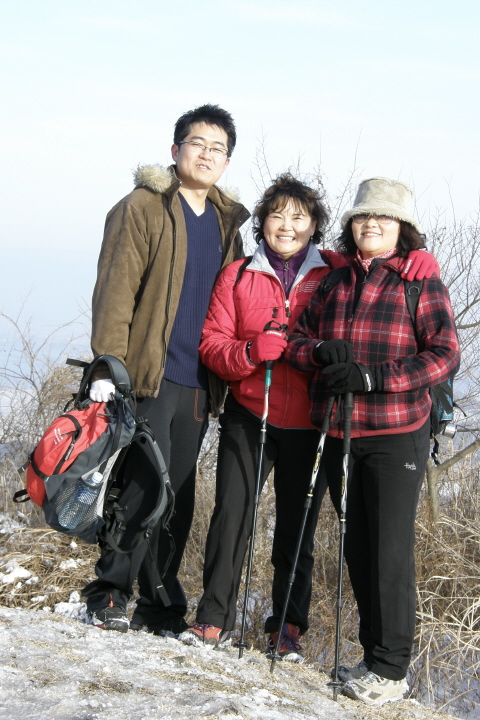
163,247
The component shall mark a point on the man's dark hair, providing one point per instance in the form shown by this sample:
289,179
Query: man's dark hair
408,240
211,115
285,188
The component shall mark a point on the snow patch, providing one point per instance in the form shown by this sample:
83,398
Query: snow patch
54,668
7,523
69,564
73,608
14,572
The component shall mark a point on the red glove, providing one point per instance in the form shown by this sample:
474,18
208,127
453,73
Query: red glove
268,345
420,265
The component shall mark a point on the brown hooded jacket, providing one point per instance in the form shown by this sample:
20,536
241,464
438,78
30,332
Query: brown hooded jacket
140,274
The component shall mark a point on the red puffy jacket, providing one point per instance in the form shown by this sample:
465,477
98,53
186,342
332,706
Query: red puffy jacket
239,310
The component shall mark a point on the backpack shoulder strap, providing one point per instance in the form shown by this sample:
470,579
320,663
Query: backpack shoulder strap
332,279
162,511
144,435
412,289
243,266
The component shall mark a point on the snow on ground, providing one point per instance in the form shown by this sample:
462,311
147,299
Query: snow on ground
55,667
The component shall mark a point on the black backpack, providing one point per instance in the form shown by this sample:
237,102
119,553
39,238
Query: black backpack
441,413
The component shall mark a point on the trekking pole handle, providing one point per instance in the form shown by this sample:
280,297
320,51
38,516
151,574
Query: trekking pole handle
269,364
328,412
268,375
347,421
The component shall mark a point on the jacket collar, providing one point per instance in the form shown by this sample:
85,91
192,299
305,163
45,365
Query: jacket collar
394,263
164,180
313,259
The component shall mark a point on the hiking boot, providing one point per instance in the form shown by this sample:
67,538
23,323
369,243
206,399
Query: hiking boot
375,690
136,627
289,648
109,617
167,628
349,673
203,634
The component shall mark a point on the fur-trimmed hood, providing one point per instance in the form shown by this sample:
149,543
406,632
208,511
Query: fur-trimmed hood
155,177
159,179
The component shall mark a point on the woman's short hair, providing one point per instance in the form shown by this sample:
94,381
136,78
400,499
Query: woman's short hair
409,239
286,187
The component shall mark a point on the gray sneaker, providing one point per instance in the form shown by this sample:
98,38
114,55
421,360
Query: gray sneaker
346,673
375,690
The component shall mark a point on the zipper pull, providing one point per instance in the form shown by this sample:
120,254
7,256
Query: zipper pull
287,308
275,312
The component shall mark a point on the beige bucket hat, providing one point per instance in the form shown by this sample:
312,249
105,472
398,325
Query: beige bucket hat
381,196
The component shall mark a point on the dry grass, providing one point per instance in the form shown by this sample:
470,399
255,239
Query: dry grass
445,670
41,551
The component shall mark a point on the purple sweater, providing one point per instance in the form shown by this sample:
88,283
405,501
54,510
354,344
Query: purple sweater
286,270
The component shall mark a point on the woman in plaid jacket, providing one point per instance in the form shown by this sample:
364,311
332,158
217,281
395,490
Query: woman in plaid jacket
390,376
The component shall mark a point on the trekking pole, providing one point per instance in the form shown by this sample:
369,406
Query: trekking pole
258,482
307,506
347,420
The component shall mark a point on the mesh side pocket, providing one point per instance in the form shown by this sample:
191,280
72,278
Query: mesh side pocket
92,512
64,497
77,505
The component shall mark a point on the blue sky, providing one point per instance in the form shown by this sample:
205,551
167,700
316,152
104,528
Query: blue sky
92,89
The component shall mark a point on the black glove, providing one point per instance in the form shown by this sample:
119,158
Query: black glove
349,377
330,352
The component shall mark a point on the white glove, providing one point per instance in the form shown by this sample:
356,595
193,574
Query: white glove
102,390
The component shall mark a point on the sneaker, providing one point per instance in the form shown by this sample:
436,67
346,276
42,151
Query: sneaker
375,690
349,673
289,648
203,634
110,617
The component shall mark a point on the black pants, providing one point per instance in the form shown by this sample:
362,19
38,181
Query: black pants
385,478
178,418
292,454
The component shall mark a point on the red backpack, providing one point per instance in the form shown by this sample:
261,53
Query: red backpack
76,473
68,436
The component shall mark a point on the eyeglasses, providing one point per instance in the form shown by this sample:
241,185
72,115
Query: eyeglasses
198,146
382,219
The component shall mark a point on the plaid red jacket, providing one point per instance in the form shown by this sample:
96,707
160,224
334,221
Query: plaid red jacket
370,311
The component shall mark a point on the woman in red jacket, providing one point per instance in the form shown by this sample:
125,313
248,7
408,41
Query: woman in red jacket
250,303
395,364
